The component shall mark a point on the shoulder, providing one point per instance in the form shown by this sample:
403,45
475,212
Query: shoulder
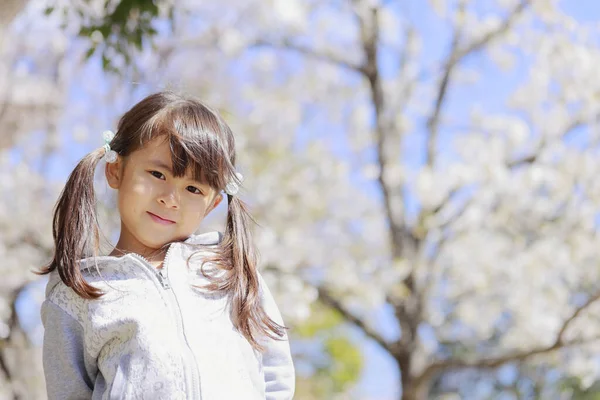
95,271
197,248
205,239
63,297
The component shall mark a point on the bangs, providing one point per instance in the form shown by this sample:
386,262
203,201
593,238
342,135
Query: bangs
198,141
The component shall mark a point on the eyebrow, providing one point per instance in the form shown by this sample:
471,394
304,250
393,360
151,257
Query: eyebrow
160,164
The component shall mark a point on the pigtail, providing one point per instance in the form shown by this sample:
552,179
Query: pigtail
75,227
252,320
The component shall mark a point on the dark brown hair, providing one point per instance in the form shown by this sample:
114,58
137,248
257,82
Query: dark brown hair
201,140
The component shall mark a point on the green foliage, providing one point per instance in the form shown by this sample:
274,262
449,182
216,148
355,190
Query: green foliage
322,320
573,388
343,359
118,33
346,362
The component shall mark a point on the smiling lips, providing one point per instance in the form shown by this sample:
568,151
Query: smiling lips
160,220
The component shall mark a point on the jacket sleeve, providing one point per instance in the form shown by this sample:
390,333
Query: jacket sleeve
278,367
69,371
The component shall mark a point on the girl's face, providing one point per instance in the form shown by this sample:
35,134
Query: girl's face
155,207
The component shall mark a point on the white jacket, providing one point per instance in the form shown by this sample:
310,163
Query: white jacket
154,336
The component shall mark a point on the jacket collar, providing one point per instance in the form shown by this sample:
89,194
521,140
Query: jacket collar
204,239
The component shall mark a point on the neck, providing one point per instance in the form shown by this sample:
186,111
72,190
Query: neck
156,260
128,243
154,256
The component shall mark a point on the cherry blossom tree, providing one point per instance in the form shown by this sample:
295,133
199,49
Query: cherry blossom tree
30,96
473,220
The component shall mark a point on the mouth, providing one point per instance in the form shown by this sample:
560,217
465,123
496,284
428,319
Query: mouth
160,220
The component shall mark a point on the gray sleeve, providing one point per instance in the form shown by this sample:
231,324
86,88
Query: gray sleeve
69,371
278,367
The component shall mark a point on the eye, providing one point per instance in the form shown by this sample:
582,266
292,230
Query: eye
157,174
194,190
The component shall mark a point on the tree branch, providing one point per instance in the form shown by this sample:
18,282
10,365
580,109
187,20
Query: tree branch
500,30
404,61
370,36
5,342
495,362
576,313
287,44
3,365
407,319
457,54
533,156
402,243
434,118
330,301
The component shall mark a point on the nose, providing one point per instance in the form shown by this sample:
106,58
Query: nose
169,198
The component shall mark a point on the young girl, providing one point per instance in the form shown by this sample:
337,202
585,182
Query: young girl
168,314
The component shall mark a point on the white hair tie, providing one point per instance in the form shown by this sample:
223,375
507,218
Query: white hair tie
110,156
232,186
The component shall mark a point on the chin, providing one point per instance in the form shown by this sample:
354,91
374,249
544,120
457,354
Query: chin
153,244
158,242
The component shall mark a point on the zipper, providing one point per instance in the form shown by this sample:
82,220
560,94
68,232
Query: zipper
163,278
159,273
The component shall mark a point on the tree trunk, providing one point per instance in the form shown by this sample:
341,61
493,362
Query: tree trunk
10,9
414,392
412,389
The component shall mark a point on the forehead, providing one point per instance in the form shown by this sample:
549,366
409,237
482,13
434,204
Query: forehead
157,148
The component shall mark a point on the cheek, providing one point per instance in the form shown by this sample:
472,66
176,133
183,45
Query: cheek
199,213
142,186
195,212
135,193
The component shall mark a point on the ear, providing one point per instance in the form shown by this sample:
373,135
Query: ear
114,173
214,204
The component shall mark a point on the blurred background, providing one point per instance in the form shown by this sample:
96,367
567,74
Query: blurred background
424,175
